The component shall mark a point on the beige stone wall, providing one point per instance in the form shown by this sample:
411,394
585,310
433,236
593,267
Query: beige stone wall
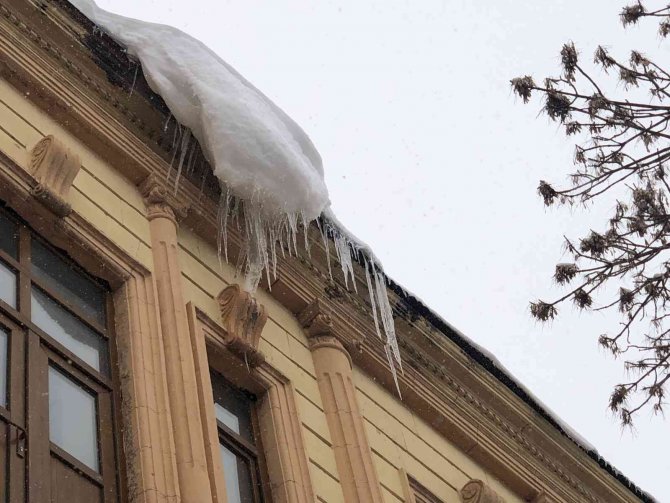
398,438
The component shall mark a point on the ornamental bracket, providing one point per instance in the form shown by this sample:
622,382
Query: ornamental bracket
243,318
476,491
53,167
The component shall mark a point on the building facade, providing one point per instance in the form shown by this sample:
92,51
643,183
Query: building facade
134,368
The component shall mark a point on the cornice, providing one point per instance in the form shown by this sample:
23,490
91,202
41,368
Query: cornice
476,411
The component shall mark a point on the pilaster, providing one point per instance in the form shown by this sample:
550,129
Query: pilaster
333,367
189,438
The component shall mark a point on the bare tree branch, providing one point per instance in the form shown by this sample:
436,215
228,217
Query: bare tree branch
625,150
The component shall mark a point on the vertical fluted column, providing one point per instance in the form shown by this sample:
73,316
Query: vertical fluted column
179,359
333,367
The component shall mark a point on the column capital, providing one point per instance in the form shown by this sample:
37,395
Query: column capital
318,325
159,202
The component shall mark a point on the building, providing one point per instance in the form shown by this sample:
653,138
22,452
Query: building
134,368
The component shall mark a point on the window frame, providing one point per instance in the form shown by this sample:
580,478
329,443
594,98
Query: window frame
251,453
278,428
39,352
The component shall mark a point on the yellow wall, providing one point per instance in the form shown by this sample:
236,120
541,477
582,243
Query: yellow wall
397,437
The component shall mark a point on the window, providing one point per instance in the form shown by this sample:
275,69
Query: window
57,440
237,441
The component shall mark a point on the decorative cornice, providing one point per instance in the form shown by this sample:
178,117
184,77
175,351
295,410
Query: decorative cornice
243,317
53,167
477,491
159,202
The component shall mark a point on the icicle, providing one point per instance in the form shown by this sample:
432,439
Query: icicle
371,293
222,220
167,122
184,148
192,158
132,87
386,314
305,228
344,252
174,149
324,237
394,372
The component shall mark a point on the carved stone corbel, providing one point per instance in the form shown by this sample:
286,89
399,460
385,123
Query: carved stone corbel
477,491
243,317
54,167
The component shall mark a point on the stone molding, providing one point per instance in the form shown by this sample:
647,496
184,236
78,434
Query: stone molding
477,491
54,167
476,411
279,421
243,318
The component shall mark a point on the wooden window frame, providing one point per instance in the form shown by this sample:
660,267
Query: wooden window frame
251,453
39,352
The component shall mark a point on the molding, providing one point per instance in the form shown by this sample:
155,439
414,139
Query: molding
207,415
54,167
444,386
477,491
279,421
407,492
243,318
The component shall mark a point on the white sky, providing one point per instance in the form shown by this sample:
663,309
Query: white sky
431,160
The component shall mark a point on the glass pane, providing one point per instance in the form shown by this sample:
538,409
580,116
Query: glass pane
69,282
232,406
7,285
4,339
8,235
238,478
69,331
73,419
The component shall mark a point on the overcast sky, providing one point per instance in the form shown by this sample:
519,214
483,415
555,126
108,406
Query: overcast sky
431,160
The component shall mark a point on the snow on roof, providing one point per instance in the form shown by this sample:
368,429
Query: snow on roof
255,148
263,158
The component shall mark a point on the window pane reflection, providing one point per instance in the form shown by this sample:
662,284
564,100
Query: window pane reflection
72,419
67,281
238,478
69,331
8,235
4,339
7,285
232,406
